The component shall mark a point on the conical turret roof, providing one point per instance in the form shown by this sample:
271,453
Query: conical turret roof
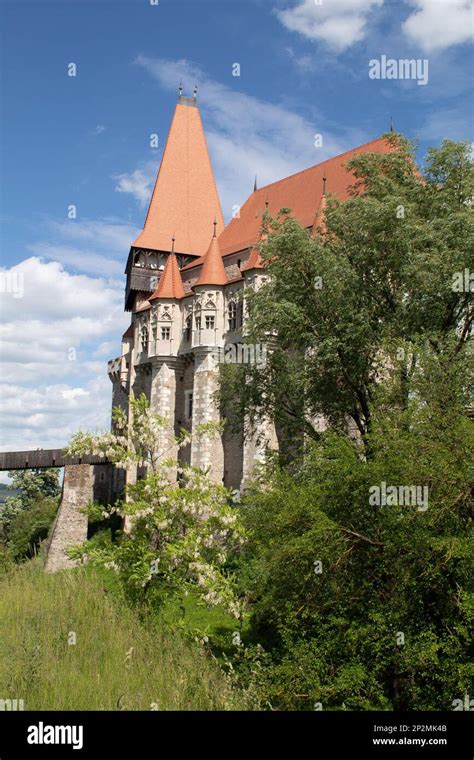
170,284
213,270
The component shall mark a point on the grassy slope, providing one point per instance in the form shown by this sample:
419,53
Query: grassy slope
37,614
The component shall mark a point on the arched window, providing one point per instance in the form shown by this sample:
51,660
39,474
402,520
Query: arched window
144,338
241,313
197,319
187,327
232,315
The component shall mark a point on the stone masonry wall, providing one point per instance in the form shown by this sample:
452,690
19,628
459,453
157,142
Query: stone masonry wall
206,451
70,526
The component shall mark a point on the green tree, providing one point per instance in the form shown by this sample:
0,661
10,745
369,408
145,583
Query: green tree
25,518
364,605
341,306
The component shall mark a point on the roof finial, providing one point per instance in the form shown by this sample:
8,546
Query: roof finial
180,89
324,185
172,243
391,124
215,227
255,185
195,91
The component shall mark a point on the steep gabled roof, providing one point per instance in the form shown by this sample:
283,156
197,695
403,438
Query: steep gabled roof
185,201
301,192
213,270
170,284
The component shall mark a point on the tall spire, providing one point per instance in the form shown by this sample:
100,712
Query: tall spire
213,270
185,199
255,188
170,284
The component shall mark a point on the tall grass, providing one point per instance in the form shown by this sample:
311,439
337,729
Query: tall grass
118,662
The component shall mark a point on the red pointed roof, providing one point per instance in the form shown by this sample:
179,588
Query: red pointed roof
170,284
301,192
213,270
185,201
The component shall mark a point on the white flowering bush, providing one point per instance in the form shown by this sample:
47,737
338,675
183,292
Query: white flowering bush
182,534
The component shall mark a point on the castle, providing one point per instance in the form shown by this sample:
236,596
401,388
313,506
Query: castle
187,275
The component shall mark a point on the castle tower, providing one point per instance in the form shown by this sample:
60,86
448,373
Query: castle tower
208,337
183,205
164,338
182,208
257,441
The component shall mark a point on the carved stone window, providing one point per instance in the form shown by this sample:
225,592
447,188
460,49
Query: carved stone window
210,321
165,333
188,405
232,315
144,338
187,327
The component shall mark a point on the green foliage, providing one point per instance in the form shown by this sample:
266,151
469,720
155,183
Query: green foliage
367,332
386,570
30,527
35,484
25,519
386,259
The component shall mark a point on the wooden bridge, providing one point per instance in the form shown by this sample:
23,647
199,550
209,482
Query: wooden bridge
31,460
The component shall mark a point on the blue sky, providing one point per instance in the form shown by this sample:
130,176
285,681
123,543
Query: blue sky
85,140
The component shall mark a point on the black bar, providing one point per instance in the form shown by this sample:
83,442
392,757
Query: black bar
312,734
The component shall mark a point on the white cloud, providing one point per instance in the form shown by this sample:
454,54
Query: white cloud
110,233
50,385
338,23
246,135
138,183
437,24
77,258
87,245
51,293
47,416
98,130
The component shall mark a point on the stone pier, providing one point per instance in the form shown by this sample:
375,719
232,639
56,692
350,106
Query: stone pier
70,525
207,450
